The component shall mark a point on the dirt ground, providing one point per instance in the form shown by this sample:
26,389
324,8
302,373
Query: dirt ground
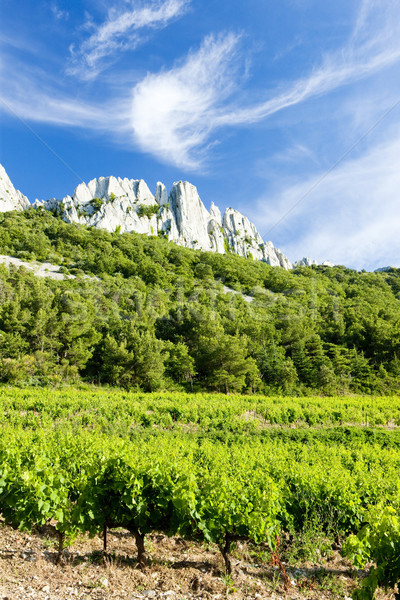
178,570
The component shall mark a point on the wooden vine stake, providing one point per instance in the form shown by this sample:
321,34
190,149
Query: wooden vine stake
105,556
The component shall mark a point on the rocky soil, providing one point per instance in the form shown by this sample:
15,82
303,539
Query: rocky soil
178,570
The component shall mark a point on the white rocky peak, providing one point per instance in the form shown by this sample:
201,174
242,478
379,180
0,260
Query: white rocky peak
274,257
243,235
109,188
215,214
10,198
128,205
219,242
245,240
306,261
161,195
83,194
125,205
191,216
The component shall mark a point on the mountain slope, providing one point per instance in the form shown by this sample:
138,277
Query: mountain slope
144,312
127,205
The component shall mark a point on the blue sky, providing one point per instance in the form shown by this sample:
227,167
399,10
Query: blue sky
284,110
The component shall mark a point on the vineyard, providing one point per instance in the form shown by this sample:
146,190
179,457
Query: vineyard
208,468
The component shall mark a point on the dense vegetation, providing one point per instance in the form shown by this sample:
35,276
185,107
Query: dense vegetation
206,469
145,313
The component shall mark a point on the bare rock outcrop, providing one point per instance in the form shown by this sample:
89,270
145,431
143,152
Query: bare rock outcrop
127,205
10,198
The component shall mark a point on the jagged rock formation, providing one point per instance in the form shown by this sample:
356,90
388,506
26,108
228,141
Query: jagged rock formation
306,261
10,198
126,205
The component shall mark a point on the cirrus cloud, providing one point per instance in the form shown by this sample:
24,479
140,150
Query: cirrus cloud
351,217
122,30
175,112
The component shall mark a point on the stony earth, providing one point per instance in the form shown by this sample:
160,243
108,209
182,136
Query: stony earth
126,205
39,269
177,570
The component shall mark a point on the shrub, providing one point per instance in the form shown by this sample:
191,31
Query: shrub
97,203
148,211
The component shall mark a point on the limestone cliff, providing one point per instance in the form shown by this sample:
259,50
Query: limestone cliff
10,198
126,205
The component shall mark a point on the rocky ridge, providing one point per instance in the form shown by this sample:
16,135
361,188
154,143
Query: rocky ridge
126,205
309,262
10,198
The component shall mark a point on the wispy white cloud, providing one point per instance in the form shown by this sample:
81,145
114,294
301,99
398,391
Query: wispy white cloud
58,13
17,41
122,30
173,112
33,95
350,218
323,80
176,111
373,45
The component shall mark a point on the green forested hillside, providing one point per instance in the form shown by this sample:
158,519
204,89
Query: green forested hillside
143,312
